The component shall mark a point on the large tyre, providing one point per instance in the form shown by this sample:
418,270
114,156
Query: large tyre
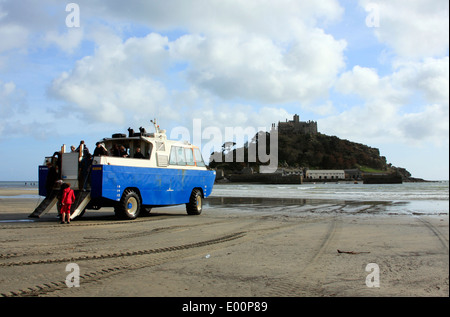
194,206
129,205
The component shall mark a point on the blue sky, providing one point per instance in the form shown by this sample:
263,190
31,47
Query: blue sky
229,63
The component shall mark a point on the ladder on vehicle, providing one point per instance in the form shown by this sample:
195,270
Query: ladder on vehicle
82,198
45,205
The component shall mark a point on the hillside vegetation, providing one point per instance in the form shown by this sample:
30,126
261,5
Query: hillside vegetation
313,151
321,151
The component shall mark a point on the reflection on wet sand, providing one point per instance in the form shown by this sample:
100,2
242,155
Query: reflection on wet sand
298,206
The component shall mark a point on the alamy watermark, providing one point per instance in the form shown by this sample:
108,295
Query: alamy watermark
73,18
373,18
373,278
261,147
73,278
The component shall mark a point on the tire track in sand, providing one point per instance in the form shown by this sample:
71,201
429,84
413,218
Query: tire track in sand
159,258
443,240
297,286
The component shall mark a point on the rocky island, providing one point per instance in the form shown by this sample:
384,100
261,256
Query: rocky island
301,148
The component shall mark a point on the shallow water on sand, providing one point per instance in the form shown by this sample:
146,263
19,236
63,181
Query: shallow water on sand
348,198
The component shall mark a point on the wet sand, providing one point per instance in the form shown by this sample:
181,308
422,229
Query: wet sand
236,248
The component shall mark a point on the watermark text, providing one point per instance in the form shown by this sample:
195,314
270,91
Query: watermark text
373,18
260,145
373,279
73,278
73,18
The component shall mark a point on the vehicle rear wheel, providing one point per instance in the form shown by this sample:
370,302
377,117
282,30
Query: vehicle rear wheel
129,205
194,206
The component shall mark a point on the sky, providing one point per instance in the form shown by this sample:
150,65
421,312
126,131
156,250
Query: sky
372,72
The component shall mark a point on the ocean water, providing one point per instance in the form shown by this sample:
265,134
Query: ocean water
23,186
19,185
339,191
427,198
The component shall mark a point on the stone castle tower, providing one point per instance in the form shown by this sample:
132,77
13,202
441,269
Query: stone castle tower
297,127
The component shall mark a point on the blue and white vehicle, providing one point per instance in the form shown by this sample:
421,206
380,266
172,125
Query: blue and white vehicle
170,173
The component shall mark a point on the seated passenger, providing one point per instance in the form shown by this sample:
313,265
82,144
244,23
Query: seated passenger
123,151
115,151
138,154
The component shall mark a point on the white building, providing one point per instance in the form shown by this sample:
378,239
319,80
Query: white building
325,174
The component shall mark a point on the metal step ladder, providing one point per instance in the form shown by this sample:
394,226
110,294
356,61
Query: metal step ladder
82,198
45,205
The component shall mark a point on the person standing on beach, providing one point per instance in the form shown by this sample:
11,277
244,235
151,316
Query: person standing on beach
68,198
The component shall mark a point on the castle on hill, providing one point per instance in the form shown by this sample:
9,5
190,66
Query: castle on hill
297,127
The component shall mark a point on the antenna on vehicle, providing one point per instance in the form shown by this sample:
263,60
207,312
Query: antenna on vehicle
156,125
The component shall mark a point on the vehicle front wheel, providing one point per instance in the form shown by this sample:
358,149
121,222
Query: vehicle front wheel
129,205
194,206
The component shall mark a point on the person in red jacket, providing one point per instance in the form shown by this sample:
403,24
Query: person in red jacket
68,198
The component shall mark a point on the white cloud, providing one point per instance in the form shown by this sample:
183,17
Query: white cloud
13,36
6,91
67,41
386,110
12,100
414,29
235,51
275,20
258,69
430,77
13,106
430,125
240,115
114,85
253,50
242,65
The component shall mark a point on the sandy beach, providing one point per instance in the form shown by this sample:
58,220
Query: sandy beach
224,252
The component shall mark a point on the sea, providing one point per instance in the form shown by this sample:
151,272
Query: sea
31,186
421,198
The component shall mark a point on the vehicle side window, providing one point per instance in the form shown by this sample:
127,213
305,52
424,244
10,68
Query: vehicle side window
198,158
173,156
184,156
181,160
189,157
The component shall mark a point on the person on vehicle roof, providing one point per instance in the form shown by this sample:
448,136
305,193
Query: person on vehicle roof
100,150
86,152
